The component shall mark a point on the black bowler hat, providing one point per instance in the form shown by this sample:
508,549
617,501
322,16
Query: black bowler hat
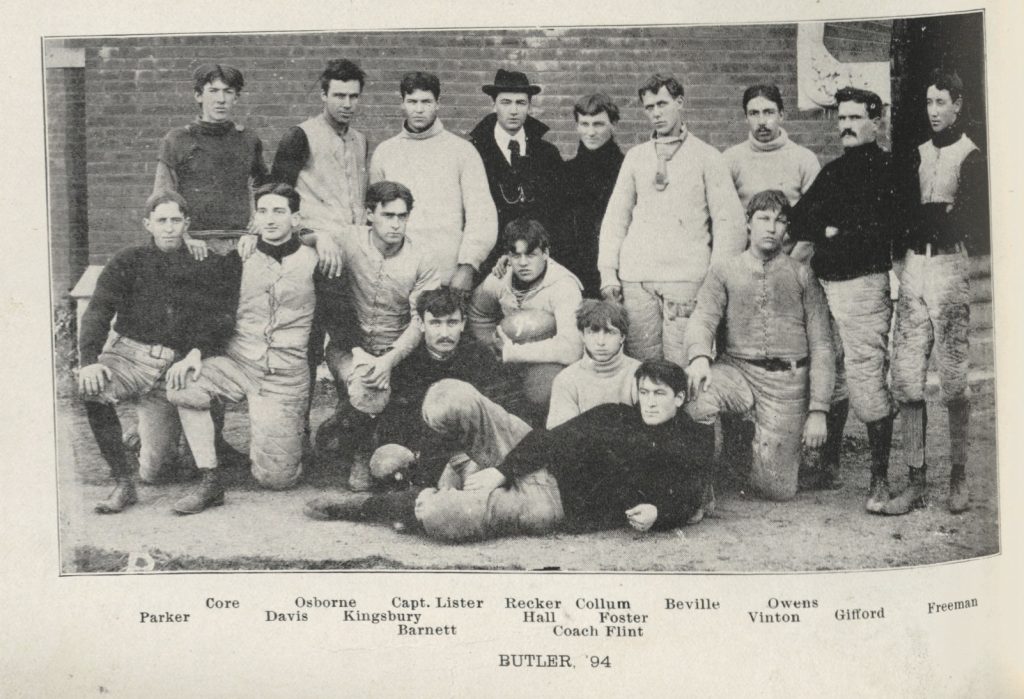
510,81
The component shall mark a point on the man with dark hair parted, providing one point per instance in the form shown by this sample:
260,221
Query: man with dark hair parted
769,159
529,314
604,374
265,362
213,162
850,215
642,466
385,272
324,158
524,172
589,181
455,219
445,353
777,359
165,306
674,209
948,205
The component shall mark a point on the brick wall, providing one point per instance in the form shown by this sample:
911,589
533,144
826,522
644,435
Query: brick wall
859,41
139,88
66,138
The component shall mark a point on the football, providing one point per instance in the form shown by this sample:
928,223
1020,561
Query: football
529,325
391,462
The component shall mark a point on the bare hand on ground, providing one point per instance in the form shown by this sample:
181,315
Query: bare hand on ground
642,516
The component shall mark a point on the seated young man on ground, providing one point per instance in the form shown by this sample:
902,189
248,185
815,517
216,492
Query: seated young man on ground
536,283
265,361
446,353
166,305
778,359
616,464
604,374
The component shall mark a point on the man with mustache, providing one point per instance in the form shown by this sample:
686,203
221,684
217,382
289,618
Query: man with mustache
445,353
640,466
850,215
949,200
674,209
769,159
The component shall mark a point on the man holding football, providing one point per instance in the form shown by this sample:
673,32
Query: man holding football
528,315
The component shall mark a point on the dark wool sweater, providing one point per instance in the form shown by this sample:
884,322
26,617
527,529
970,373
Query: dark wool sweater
213,165
607,460
402,421
589,181
163,298
855,193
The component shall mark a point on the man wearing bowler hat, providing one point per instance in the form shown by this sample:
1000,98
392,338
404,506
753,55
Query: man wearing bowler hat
523,170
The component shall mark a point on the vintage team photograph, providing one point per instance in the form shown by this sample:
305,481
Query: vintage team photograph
707,298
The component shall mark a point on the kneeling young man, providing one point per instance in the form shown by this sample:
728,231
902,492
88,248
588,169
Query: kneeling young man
385,272
616,464
604,374
166,304
265,361
778,358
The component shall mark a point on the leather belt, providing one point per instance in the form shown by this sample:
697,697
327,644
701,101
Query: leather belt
776,364
932,249
154,351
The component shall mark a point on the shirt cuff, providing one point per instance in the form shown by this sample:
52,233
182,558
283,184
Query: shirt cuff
610,277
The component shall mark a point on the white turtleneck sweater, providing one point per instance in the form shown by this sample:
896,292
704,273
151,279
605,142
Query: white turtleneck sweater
779,164
586,384
453,215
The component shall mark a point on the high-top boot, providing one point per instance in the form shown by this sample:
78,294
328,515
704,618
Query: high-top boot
880,441
959,417
835,423
122,496
347,436
397,508
912,496
914,423
208,493
737,448
364,441
106,428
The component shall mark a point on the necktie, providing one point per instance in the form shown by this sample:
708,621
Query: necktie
513,147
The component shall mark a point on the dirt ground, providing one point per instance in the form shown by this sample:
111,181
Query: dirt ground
263,530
